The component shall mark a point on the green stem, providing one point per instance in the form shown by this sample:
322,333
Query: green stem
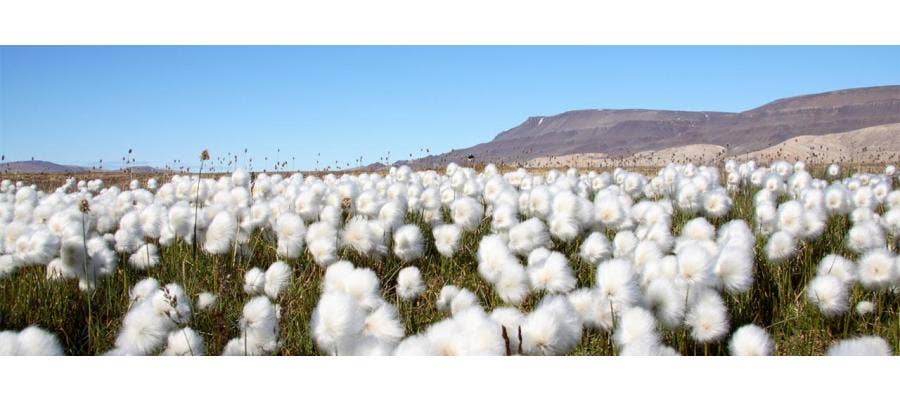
197,210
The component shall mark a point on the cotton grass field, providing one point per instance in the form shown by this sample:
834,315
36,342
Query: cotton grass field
731,259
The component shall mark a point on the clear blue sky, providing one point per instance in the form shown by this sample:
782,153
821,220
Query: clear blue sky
76,105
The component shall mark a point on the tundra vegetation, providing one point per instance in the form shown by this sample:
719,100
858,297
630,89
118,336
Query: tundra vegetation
728,259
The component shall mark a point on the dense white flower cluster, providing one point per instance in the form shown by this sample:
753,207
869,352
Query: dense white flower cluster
650,275
793,208
31,341
156,320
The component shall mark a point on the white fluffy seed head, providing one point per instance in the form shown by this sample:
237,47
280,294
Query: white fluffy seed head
445,297
780,246
790,218
829,294
359,236
837,266
512,285
446,239
184,342
865,236
694,266
143,289
698,229
707,317
221,233
336,321
527,236
668,300
595,248
635,325
861,346
408,243
734,269
876,269
492,256
750,340
552,275
553,328
290,230
624,243
254,281
145,257
32,341
206,300
384,325
278,276
615,281
864,308
409,283
466,213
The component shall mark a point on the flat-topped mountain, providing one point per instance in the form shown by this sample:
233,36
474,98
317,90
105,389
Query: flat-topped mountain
620,133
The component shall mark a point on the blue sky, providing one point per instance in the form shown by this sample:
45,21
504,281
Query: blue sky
77,105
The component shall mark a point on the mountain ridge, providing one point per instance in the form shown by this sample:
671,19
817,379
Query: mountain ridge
41,166
621,132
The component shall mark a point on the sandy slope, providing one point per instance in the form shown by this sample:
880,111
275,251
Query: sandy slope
879,144
696,153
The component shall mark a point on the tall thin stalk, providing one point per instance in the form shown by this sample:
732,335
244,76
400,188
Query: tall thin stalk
84,207
204,155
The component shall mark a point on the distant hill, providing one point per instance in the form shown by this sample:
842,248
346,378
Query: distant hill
31,167
623,133
38,166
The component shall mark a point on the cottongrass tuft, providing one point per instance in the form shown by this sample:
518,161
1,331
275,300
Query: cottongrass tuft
865,236
708,318
206,301
446,239
780,246
635,325
409,283
694,266
553,328
254,281
359,236
336,321
290,231
750,340
615,281
595,248
408,243
698,229
277,277
466,213
829,294
512,285
552,274
876,269
838,267
31,341
527,236
145,257
864,308
734,269
184,342
668,300
259,330
220,233
861,346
